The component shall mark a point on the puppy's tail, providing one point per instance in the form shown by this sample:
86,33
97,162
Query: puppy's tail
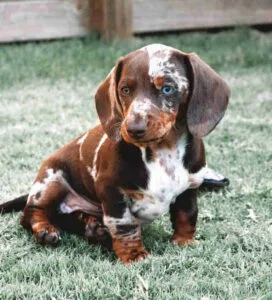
16,204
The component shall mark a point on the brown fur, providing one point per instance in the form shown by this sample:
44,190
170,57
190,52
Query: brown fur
98,174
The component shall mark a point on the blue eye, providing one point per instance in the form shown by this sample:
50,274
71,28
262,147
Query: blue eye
167,90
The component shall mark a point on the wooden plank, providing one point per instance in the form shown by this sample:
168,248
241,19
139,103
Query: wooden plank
39,19
46,19
111,18
167,15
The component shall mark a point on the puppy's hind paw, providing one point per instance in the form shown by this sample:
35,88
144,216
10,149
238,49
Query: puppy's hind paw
47,235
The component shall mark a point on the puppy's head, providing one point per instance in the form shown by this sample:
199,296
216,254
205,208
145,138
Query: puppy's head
155,88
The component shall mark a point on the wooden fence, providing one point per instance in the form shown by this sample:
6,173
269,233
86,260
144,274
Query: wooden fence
49,19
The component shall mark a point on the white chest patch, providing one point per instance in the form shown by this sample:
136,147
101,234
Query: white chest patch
167,179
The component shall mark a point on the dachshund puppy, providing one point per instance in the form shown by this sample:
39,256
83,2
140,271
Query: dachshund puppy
146,158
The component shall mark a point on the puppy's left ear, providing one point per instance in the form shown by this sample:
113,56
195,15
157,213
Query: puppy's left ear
209,97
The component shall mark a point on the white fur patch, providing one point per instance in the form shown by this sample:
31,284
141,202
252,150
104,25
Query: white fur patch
212,174
160,65
40,187
71,202
89,170
80,143
65,209
82,139
127,219
37,187
94,170
167,179
54,176
197,179
75,202
141,108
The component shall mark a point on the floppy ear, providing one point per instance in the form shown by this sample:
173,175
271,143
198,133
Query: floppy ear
108,105
209,97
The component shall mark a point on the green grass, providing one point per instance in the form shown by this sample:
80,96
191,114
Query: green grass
46,92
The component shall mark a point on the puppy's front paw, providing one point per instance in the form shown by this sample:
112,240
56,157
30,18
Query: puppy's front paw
130,251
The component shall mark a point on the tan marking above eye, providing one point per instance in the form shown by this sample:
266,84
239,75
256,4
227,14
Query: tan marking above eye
159,82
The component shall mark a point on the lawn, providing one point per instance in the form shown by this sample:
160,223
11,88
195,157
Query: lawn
47,91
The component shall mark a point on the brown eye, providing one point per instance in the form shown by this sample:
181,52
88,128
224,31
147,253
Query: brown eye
125,91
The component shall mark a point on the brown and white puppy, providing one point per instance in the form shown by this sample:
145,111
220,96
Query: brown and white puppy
145,159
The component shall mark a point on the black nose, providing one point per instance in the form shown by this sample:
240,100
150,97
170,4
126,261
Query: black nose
136,130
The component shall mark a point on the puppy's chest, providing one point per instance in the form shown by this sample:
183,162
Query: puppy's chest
167,178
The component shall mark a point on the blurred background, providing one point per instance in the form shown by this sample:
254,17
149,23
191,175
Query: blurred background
22,20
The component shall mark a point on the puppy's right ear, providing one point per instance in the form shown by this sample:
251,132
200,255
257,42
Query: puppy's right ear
108,104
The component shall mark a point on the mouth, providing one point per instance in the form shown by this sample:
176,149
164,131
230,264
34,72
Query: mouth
152,140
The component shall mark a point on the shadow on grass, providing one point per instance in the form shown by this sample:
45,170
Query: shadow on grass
155,239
